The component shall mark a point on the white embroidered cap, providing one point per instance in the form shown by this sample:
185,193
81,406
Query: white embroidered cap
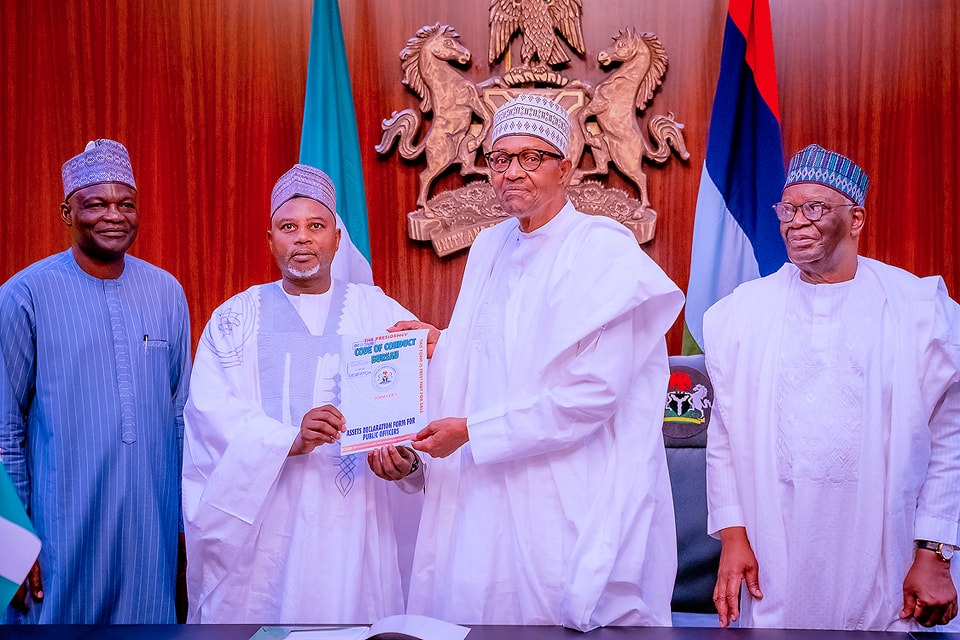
533,115
100,161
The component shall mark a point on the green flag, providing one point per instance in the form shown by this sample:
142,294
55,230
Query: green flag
330,141
21,546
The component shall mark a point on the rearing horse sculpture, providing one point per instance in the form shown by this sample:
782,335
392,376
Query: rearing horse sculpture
453,99
615,102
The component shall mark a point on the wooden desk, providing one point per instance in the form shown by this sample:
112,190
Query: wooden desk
244,631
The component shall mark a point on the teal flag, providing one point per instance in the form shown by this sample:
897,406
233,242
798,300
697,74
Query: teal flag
20,545
330,141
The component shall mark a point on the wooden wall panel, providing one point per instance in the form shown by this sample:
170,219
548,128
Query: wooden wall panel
208,96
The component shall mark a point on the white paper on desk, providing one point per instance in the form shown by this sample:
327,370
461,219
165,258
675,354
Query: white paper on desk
310,633
383,381
420,627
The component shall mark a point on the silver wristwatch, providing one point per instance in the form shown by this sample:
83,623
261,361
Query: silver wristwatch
944,551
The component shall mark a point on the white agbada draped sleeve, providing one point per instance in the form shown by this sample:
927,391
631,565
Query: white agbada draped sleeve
877,360
272,538
558,510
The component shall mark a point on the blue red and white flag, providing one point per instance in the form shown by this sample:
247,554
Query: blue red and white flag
736,235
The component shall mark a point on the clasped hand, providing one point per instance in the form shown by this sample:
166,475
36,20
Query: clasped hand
390,462
320,425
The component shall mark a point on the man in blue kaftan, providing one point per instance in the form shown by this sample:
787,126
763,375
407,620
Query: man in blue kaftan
95,362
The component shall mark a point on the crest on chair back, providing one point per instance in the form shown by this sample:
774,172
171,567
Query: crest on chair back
606,118
686,413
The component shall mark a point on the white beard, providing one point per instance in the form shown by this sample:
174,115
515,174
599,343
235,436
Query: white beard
302,275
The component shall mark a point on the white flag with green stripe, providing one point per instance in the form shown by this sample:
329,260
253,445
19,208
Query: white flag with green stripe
20,544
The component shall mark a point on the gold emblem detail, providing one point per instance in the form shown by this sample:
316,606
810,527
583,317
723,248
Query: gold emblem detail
604,118
538,22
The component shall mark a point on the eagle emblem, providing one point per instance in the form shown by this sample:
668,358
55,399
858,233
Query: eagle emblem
539,22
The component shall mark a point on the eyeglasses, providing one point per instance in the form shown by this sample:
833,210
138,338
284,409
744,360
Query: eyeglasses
529,159
813,210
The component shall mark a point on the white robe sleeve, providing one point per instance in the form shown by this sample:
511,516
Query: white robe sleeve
415,481
724,508
723,499
582,396
230,442
233,454
938,505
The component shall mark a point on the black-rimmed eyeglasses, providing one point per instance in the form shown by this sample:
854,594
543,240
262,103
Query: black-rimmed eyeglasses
812,210
529,159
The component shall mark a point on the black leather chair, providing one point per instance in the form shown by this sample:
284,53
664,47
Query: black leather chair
685,422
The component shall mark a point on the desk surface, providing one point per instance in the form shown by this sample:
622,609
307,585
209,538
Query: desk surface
244,631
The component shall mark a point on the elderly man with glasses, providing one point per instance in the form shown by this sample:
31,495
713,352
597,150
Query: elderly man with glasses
834,447
547,495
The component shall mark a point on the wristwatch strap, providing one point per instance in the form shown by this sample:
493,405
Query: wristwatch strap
939,548
416,462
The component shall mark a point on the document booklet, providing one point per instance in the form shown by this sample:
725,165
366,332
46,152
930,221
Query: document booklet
393,628
383,381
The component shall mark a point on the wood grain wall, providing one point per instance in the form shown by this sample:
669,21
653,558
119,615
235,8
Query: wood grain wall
208,95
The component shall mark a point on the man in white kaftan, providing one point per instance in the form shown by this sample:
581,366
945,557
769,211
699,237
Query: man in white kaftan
280,528
835,441
549,502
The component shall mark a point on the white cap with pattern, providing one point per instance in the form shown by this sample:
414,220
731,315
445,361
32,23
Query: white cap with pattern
534,115
101,161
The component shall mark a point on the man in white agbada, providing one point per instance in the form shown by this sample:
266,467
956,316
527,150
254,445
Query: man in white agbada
834,449
549,501
279,527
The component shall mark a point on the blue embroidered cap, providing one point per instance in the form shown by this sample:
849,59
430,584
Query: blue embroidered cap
819,165
101,161
534,115
304,181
